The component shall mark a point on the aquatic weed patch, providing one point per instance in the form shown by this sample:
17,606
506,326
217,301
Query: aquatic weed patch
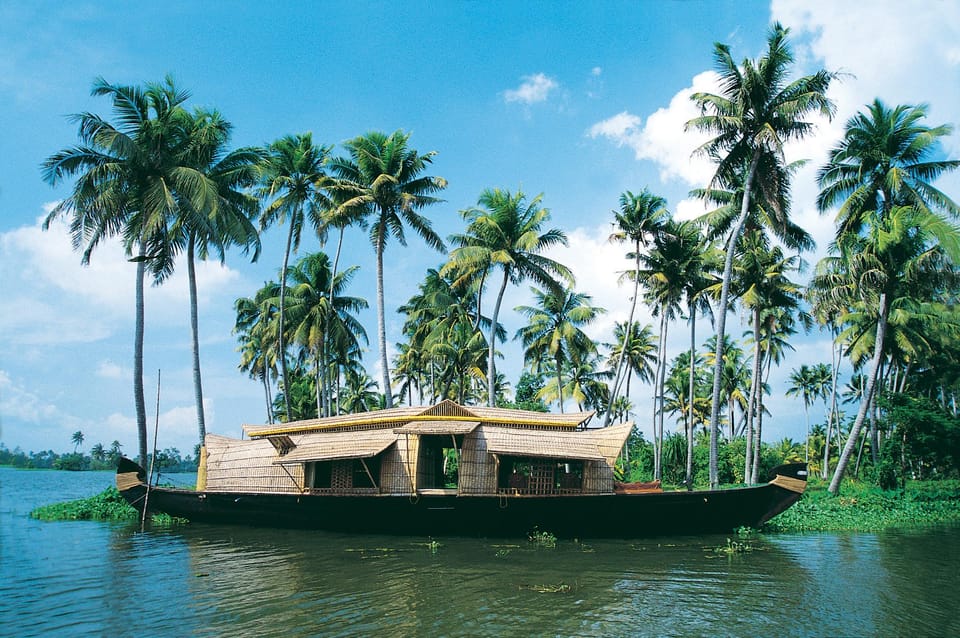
108,505
868,509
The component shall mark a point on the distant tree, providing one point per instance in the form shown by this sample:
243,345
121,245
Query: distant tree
77,439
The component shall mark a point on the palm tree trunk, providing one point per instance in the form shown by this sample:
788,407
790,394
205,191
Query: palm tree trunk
327,389
266,396
492,347
867,397
657,394
138,398
559,383
381,322
281,348
722,319
693,360
195,340
626,338
752,402
835,360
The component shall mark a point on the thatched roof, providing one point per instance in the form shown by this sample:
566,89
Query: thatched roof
339,445
603,444
565,445
445,411
438,427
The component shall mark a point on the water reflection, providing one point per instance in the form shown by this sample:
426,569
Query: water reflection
97,579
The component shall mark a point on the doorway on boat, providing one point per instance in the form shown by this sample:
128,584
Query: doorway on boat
539,476
360,475
438,462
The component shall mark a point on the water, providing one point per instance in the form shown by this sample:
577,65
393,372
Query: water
89,578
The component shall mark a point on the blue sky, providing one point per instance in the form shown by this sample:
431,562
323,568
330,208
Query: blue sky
579,101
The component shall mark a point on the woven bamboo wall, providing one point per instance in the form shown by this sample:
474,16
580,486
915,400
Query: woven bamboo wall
397,465
478,469
246,466
597,477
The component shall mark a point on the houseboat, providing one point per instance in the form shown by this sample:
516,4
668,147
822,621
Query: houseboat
447,470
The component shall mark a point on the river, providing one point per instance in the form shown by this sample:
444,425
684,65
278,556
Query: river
91,578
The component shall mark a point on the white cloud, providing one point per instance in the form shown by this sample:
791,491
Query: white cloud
595,71
661,137
533,88
52,299
110,370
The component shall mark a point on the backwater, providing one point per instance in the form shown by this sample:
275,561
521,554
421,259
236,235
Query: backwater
92,578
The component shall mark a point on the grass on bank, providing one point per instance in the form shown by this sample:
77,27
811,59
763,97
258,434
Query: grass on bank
108,505
863,507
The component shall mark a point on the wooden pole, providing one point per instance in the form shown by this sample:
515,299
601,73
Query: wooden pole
153,458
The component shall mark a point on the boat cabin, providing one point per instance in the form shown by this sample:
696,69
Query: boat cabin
443,449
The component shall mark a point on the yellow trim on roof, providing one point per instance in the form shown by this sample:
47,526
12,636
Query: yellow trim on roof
374,420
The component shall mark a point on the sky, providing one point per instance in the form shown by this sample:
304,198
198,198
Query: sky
578,101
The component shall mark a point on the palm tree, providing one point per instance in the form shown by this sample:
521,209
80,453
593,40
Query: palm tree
553,333
382,181
361,393
639,217
880,174
223,219
294,179
804,384
318,321
505,231
664,276
77,439
641,352
256,335
762,285
755,114
98,452
132,177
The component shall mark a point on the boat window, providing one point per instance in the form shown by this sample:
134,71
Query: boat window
534,475
361,477
322,474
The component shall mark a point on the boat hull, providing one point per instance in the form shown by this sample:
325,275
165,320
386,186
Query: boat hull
566,516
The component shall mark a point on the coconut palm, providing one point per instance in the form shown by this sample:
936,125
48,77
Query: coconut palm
318,321
223,220
756,113
663,275
641,352
77,439
804,384
505,231
890,215
763,283
132,177
554,331
382,183
256,336
638,218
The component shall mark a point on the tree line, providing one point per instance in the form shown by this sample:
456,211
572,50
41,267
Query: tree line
163,180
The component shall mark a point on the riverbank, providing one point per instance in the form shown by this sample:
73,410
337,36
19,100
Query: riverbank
861,507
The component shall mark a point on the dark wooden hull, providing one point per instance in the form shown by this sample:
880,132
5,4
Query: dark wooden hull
600,516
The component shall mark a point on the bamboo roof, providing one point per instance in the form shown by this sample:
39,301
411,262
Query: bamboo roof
567,445
438,427
603,444
445,411
339,445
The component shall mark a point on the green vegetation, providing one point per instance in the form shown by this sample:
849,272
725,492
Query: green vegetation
866,508
161,180
108,505
169,460
542,539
